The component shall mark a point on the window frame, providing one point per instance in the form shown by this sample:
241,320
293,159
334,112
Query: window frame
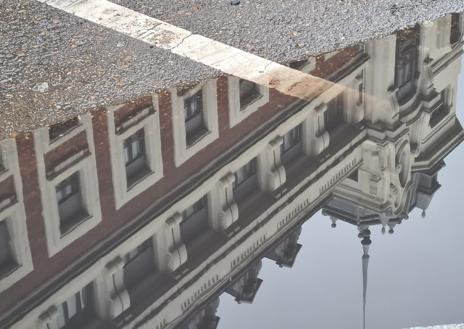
406,68
147,120
10,260
192,135
68,224
183,150
186,220
131,141
456,29
56,239
14,216
239,186
290,134
68,125
86,165
85,294
236,112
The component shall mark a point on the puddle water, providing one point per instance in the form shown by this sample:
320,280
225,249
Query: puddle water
317,198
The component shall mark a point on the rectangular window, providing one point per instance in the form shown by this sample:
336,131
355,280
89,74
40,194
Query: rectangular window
455,35
70,204
195,221
139,263
139,250
196,207
333,116
7,261
441,110
246,180
77,310
194,121
60,129
135,157
406,65
249,93
291,139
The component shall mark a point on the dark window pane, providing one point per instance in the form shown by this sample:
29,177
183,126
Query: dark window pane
333,116
291,139
249,92
441,110
455,35
139,264
2,162
194,120
195,221
292,144
135,157
407,53
70,205
77,310
68,187
7,262
57,130
134,147
246,180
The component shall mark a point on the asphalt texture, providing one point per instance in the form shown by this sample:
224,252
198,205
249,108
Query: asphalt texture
54,66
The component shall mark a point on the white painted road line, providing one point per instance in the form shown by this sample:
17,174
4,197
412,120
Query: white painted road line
198,48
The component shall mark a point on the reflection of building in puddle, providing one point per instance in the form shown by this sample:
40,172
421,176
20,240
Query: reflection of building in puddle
141,215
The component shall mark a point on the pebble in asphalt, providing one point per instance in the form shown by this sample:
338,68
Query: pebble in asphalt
52,71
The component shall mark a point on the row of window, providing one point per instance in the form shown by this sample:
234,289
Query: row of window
69,192
134,150
136,154
72,208
136,160
194,101
79,309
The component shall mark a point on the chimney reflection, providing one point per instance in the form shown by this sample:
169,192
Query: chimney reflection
142,214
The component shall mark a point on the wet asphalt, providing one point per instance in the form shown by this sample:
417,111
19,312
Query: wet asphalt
54,66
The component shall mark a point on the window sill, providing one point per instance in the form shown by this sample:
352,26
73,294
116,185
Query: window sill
197,137
249,103
8,269
69,228
134,181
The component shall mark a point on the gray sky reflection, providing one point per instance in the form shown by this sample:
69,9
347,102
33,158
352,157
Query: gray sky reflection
416,275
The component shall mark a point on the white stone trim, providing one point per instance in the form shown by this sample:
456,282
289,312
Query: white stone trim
271,172
89,190
173,254
16,215
175,251
42,136
151,126
198,48
236,113
182,152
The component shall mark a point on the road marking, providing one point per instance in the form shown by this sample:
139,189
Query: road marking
198,48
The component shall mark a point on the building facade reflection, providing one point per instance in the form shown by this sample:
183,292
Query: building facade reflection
140,215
